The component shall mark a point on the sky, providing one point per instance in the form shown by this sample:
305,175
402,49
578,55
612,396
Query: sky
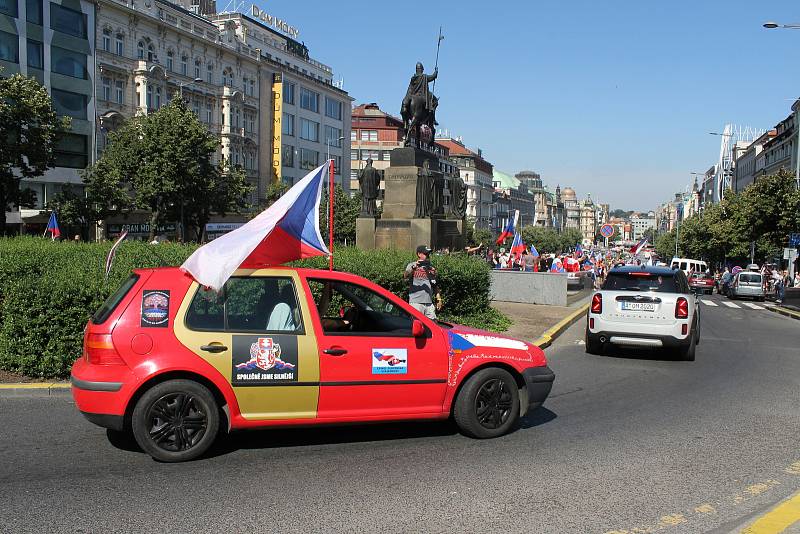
614,99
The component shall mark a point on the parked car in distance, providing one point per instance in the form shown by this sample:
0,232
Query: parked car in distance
172,363
702,282
688,265
747,285
647,307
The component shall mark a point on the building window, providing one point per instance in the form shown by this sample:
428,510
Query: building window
332,136
354,155
309,159
309,130
353,134
337,164
35,54
252,85
69,104
170,65
386,155
333,108
209,111
369,135
9,47
9,7
33,9
184,65
140,50
197,68
119,88
370,154
149,96
309,100
106,89
210,73
67,62
288,93
288,124
227,77
158,97
287,156
107,40
65,20
71,151
120,44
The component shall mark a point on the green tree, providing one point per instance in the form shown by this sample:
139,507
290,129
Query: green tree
571,237
74,211
346,209
650,234
665,245
29,129
546,240
161,162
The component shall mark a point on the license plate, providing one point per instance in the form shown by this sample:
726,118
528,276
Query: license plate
639,306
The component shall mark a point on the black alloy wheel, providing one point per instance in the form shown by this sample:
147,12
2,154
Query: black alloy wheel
493,404
176,420
487,406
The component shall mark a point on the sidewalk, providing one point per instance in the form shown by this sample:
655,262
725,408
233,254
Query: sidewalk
541,324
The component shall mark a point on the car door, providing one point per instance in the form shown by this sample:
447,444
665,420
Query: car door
370,364
256,333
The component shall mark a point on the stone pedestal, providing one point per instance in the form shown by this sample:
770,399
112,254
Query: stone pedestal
398,227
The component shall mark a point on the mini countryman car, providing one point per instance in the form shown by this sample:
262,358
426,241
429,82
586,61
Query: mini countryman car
174,363
649,307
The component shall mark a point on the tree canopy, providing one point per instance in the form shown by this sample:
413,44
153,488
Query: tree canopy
163,163
29,129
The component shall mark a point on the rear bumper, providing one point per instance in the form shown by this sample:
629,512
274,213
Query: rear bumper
538,383
627,339
101,392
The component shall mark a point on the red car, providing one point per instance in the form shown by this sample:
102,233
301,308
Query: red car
702,282
173,363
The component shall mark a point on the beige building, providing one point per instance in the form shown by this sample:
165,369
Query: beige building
588,220
572,211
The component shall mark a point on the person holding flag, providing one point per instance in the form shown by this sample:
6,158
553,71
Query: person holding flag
517,248
52,227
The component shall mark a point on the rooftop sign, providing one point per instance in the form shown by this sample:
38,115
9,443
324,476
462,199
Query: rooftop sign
275,22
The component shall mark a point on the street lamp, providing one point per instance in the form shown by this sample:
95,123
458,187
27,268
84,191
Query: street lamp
772,25
181,85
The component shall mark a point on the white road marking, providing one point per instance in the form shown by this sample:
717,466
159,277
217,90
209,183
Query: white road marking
729,304
754,306
709,302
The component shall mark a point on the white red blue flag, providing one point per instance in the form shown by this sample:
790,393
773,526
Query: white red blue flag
509,229
286,231
637,248
52,227
517,246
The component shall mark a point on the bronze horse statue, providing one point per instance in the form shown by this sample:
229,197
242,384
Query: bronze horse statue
415,115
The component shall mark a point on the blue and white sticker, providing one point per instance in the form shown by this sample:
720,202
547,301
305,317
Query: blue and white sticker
389,361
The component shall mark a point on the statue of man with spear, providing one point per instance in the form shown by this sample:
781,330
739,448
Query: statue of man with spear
419,105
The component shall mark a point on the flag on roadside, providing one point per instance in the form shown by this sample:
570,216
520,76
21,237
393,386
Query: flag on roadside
286,231
637,248
578,249
517,246
52,227
113,252
509,229
533,250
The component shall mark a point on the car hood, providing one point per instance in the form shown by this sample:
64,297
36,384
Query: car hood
485,339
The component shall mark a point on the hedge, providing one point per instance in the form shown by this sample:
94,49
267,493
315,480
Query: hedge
49,290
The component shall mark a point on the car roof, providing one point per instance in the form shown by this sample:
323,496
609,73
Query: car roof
652,269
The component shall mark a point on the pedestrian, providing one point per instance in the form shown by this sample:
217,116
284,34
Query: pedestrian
777,278
503,259
726,281
423,290
528,261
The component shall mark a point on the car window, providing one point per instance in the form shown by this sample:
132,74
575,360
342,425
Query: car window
247,304
351,309
104,312
640,281
749,278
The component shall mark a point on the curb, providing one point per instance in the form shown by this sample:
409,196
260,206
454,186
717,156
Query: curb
778,519
556,330
784,311
36,389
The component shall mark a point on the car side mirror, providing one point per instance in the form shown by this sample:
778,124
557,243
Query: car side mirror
417,328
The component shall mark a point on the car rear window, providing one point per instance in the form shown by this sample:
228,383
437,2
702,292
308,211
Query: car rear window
662,283
748,278
104,312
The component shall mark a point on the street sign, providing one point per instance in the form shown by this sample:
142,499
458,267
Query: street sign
789,254
794,240
606,231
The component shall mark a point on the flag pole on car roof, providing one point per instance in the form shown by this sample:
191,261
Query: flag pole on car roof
330,216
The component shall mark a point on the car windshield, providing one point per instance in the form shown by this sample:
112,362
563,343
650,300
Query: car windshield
750,278
641,281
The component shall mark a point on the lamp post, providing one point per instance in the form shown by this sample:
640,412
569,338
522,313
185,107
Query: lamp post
181,85
770,25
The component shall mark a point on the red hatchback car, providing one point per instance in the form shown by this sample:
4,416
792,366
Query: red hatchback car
175,364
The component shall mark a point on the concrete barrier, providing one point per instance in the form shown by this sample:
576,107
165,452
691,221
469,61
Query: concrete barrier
530,288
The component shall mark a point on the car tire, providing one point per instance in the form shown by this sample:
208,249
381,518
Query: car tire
593,345
687,352
488,404
176,421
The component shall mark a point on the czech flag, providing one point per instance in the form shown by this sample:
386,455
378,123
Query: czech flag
578,250
517,246
510,228
637,248
534,251
52,227
286,231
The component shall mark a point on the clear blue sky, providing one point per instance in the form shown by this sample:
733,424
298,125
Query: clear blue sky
611,98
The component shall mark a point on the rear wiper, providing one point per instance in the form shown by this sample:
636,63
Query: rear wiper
632,288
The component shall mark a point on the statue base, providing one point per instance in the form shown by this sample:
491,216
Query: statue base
408,234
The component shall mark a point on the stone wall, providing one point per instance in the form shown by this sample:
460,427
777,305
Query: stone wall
531,288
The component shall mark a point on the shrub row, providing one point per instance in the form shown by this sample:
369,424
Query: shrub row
49,290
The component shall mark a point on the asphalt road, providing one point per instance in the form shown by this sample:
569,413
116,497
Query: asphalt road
631,442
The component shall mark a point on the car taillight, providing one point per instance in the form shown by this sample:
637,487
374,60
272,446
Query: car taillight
99,350
597,303
682,308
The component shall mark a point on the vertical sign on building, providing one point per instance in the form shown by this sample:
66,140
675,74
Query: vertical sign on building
277,125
